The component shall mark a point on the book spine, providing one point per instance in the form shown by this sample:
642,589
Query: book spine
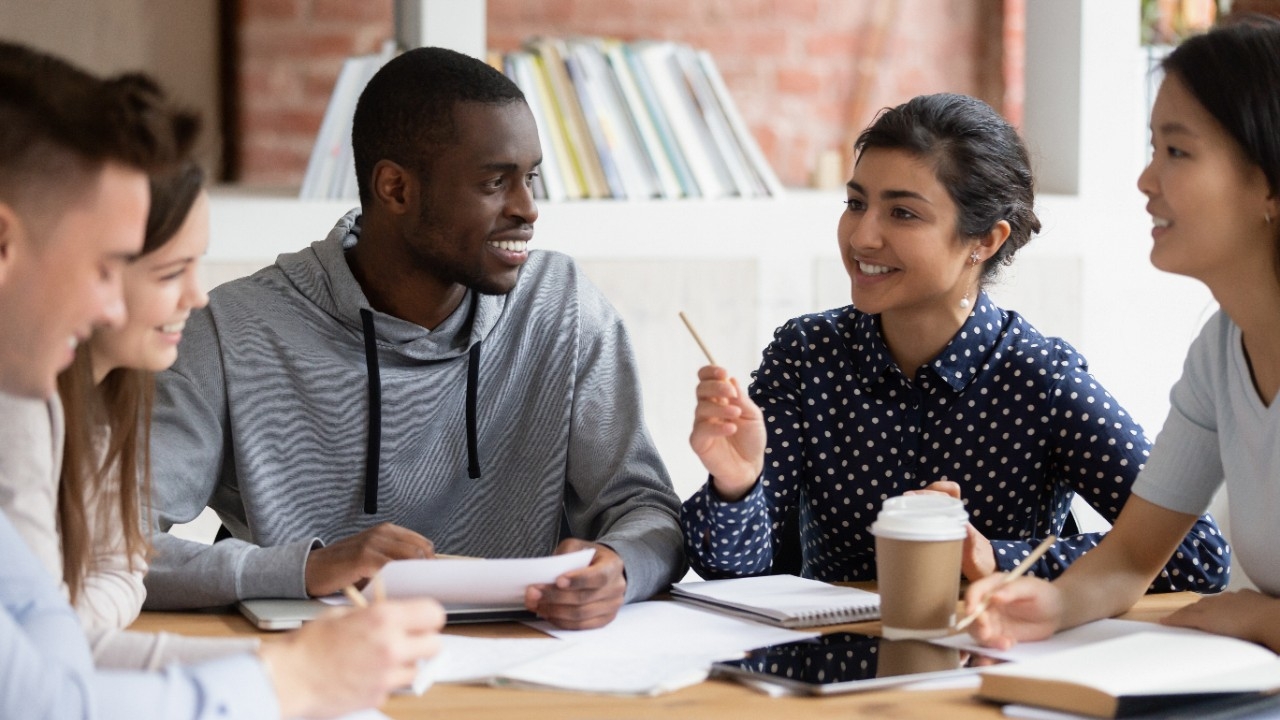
549,182
553,59
592,109
570,163
327,151
661,124
732,165
634,163
662,174
742,134
690,131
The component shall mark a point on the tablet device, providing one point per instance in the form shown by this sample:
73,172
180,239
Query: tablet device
848,662
281,614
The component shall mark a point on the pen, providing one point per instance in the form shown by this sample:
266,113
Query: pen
1009,577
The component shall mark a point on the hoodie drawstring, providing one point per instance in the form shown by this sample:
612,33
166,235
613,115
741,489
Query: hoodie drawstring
373,451
473,381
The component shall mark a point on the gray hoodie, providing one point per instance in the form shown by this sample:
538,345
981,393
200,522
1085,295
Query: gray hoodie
518,417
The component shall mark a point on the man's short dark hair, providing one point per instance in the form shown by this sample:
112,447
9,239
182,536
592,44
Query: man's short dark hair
406,111
59,125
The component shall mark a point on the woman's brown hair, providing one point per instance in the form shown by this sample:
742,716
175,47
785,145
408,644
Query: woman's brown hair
106,466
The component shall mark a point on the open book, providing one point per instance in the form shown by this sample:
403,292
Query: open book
1135,674
784,600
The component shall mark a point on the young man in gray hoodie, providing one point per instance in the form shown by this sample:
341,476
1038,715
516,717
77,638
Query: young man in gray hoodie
418,381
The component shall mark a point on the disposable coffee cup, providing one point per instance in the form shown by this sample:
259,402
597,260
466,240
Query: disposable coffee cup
919,546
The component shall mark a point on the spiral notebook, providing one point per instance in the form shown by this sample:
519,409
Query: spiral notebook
784,600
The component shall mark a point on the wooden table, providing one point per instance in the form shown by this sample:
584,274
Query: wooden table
710,700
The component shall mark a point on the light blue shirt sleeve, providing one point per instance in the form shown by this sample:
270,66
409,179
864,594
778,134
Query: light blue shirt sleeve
46,669
235,688
45,665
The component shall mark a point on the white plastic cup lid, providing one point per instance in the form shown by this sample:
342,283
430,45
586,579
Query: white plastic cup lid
921,517
932,504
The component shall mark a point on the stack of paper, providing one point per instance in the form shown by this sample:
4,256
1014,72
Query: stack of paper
649,648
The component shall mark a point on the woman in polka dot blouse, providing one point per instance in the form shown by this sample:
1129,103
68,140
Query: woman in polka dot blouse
1213,192
921,384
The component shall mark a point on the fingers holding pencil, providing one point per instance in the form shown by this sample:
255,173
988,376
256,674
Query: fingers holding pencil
1006,608
1005,579
378,588
728,428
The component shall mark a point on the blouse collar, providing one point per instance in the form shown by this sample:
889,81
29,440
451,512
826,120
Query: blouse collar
957,364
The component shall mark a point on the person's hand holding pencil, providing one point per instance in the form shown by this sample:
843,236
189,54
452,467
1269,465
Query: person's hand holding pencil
379,592
728,428
1006,608
1005,579
351,659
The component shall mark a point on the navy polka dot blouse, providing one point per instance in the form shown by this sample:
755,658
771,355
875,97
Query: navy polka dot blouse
1013,416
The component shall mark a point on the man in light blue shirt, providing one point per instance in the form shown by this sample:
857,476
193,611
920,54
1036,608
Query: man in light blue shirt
75,153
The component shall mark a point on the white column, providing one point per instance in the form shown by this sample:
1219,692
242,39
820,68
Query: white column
454,24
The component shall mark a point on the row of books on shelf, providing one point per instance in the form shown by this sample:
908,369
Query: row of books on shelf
626,120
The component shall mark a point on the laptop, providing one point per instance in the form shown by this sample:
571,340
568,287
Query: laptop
283,614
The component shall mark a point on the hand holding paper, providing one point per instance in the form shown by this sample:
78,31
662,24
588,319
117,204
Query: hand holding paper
478,581
584,598
356,559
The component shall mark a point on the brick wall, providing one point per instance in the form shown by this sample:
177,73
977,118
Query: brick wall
794,66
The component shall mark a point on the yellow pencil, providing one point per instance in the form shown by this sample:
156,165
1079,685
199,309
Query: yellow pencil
697,339
354,596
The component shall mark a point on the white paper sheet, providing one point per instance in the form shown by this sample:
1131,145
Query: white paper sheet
476,581
610,671
1086,634
650,648
663,629
471,582
465,659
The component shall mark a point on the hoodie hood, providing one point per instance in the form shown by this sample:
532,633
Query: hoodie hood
321,274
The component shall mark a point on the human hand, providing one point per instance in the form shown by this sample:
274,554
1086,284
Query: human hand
949,488
1025,609
585,598
728,433
350,659
979,558
1245,614
353,560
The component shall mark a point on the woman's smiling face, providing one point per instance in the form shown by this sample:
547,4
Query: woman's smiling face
1208,203
898,236
161,289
